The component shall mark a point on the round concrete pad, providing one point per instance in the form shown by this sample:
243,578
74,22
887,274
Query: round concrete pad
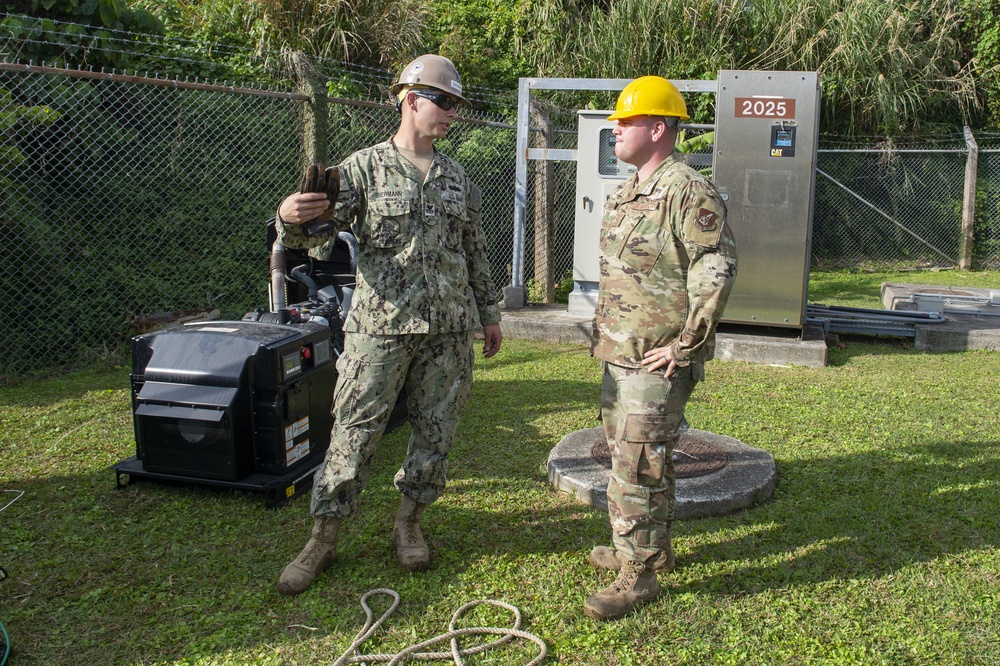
747,479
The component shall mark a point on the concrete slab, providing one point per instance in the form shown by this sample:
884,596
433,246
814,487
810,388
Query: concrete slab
554,323
896,296
959,332
770,346
548,323
747,479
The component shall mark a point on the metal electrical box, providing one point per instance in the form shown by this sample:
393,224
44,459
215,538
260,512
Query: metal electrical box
598,173
766,134
763,163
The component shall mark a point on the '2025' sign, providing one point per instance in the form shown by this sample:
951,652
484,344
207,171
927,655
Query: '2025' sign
765,107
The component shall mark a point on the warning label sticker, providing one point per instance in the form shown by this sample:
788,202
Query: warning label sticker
296,453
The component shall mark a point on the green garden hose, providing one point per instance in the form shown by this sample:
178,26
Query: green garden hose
4,645
5,641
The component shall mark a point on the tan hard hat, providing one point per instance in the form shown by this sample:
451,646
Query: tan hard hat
431,71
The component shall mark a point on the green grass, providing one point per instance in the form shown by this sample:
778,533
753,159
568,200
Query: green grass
879,545
863,288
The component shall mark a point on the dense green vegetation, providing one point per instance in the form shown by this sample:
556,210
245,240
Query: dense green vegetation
888,68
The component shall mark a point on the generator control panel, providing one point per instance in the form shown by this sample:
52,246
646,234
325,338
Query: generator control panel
608,164
783,140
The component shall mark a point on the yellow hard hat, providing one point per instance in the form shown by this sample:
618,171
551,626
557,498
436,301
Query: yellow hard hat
650,96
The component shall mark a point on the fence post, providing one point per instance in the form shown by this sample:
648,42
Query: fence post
967,243
544,209
315,118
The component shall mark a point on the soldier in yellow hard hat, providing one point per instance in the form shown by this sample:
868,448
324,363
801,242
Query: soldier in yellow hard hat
650,96
668,263
423,289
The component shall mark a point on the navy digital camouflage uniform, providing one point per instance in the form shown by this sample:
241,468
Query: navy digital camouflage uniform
668,263
423,286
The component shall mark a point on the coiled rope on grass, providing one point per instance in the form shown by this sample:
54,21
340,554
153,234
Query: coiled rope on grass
452,635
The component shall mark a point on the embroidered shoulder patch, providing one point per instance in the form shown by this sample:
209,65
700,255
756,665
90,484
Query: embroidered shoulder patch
703,224
706,220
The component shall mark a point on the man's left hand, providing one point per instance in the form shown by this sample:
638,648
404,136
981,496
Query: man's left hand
492,337
655,359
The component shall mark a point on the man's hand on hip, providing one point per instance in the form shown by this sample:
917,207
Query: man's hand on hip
657,358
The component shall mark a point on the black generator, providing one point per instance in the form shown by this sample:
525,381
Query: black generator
246,404
220,400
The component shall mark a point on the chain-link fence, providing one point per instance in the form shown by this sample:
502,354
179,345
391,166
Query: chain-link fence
129,201
901,206
987,229
122,202
550,209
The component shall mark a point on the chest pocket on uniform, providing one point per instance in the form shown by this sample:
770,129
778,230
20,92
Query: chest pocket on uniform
611,229
388,222
642,237
455,219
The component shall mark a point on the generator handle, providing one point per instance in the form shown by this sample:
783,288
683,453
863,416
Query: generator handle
276,294
299,274
352,248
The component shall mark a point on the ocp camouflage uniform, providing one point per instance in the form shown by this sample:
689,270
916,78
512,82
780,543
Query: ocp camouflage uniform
668,263
423,286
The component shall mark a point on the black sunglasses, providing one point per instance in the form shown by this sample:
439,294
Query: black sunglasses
442,101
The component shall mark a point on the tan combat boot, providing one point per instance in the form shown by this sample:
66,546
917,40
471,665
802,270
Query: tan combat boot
635,586
602,557
411,551
314,558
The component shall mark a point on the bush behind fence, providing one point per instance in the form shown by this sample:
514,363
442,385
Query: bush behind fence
123,200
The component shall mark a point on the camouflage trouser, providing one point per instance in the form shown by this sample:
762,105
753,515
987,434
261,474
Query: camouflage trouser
436,372
641,413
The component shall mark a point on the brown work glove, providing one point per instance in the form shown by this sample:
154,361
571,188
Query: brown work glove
318,178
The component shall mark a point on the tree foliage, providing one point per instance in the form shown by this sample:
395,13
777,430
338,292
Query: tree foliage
888,67
71,32
364,32
485,36
981,38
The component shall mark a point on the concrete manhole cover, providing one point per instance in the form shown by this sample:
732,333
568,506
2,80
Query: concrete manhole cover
722,474
692,456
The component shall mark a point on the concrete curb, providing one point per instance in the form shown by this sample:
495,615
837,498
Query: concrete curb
554,323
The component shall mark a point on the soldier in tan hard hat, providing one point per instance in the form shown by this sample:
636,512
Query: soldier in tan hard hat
668,263
429,73
423,288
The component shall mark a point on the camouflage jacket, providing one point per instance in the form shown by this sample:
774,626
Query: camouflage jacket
422,266
668,263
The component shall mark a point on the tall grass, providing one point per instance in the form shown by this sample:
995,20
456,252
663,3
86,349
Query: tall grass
887,67
367,32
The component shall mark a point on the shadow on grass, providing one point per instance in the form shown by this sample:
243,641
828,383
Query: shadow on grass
853,517
164,573
850,346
